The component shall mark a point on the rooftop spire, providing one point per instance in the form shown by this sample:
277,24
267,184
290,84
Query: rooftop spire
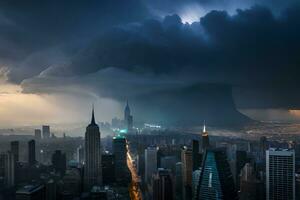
204,129
93,117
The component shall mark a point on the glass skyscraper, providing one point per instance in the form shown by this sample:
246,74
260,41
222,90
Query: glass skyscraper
280,174
216,181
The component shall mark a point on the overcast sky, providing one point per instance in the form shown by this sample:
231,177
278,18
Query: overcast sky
58,57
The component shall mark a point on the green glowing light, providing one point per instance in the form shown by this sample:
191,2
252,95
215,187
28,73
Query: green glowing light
123,131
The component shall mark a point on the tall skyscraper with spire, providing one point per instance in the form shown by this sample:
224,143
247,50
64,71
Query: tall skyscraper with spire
205,139
126,112
92,168
128,118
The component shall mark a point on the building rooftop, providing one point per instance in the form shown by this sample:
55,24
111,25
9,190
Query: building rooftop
280,149
29,189
118,137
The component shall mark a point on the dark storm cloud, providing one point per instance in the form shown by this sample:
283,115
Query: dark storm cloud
179,6
251,49
223,47
56,44
28,28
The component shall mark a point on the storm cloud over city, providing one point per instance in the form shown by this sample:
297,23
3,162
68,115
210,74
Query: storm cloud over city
211,55
149,100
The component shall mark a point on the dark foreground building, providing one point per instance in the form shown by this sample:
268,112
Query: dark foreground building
162,185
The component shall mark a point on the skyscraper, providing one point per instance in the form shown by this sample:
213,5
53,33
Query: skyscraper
126,112
46,131
128,118
216,180
37,134
197,157
130,123
120,154
280,174
150,163
187,172
195,183
250,187
168,162
263,144
7,162
178,180
59,162
205,139
14,148
92,168
80,154
240,161
31,153
162,185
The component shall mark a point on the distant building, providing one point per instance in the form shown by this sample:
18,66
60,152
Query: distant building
240,161
126,112
263,144
31,192
7,163
92,168
14,148
168,162
162,185
130,123
187,170
216,180
205,139
59,162
120,155
38,134
80,155
197,157
116,123
237,160
31,153
250,187
263,147
280,174
128,118
150,163
46,131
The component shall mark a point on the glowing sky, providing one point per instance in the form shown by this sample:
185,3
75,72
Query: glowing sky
19,109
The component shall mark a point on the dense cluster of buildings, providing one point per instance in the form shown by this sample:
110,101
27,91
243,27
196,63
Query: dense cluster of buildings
199,168
150,164
91,173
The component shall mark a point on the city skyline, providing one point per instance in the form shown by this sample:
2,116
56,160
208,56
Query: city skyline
149,100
